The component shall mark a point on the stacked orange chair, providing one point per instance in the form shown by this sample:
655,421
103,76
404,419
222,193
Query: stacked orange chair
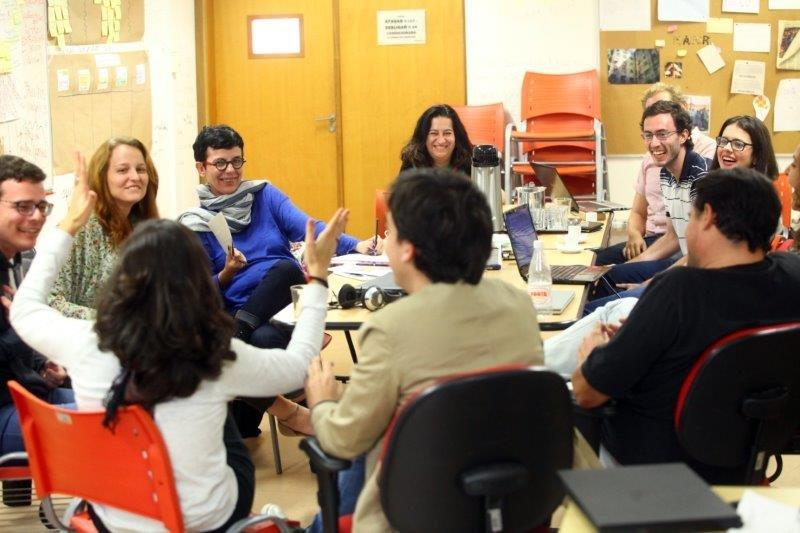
485,124
563,129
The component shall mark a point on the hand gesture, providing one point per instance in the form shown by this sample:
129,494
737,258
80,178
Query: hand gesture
6,296
81,202
371,246
597,337
634,246
234,262
320,250
321,384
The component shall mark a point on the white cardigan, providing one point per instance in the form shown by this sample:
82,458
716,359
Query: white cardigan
191,427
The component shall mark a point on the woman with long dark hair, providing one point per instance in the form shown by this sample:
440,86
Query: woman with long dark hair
744,141
439,140
162,339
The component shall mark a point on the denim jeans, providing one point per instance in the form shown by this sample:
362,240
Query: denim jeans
10,431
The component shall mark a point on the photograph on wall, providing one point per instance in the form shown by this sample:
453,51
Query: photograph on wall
788,57
633,66
699,108
673,69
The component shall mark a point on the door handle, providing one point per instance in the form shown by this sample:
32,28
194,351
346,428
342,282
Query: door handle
331,119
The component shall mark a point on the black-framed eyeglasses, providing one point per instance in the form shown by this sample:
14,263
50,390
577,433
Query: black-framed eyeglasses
27,207
736,144
222,164
661,135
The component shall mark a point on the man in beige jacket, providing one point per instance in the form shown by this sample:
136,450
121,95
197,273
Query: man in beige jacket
438,241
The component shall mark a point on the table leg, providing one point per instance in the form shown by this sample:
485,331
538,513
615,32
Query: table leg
351,346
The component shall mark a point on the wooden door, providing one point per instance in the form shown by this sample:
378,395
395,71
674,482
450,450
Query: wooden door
386,88
275,103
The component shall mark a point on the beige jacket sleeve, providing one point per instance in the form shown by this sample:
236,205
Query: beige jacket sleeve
352,426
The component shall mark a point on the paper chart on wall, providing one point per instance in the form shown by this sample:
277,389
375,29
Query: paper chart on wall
748,77
683,10
740,6
624,15
788,57
787,105
752,37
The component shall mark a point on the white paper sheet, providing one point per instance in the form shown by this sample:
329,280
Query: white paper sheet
762,513
752,37
219,227
683,10
361,259
748,77
740,6
711,58
624,15
787,105
784,4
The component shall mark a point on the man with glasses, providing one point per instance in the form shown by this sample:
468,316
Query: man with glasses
647,220
666,128
23,212
255,275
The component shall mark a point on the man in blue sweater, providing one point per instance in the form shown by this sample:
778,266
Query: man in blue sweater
255,276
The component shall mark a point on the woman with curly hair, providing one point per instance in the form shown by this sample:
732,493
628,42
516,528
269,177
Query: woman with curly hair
439,140
125,180
162,339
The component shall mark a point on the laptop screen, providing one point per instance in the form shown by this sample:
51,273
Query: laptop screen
550,180
521,233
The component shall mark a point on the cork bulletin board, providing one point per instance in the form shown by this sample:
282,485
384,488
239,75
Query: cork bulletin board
621,103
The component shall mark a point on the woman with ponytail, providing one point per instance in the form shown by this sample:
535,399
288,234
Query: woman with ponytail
162,339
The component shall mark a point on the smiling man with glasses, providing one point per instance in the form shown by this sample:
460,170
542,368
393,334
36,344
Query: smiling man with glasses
666,132
23,212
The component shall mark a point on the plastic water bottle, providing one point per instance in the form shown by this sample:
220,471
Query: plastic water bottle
540,280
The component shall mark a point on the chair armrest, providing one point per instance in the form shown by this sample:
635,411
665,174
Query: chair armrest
321,461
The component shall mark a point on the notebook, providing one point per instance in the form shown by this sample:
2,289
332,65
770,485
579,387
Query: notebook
549,178
657,497
521,233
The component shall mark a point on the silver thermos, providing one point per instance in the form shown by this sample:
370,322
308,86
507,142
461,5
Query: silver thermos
486,175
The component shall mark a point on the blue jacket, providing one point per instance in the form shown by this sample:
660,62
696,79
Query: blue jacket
275,222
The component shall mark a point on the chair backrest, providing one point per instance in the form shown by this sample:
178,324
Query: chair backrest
505,415
566,99
784,190
381,208
740,402
70,452
485,124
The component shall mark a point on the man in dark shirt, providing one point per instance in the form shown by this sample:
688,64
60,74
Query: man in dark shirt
23,211
729,283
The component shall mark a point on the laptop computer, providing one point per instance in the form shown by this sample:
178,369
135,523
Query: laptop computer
657,497
550,179
521,233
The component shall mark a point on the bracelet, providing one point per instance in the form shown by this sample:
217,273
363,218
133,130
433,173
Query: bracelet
322,281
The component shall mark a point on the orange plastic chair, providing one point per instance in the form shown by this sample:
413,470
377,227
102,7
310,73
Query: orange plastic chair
485,124
784,190
70,452
381,208
563,128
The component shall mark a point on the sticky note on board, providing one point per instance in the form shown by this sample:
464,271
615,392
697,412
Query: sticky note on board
121,76
711,58
719,25
84,80
17,17
672,28
141,76
681,53
117,12
660,43
51,21
67,26
60,40
116,26
62,80
5,65
102,79
104,13
104,28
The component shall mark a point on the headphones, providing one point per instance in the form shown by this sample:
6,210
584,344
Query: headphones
371,298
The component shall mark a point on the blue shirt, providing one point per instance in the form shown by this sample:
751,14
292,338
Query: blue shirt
274,222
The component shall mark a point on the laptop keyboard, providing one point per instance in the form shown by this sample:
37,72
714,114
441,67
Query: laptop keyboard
566,271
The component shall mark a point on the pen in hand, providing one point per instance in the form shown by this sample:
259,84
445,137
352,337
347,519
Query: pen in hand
374,250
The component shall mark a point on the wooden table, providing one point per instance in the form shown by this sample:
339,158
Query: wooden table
348,320
575,521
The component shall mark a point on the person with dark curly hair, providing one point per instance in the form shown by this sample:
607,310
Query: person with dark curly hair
439,140
163,339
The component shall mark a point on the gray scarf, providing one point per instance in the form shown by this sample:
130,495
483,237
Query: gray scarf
235,207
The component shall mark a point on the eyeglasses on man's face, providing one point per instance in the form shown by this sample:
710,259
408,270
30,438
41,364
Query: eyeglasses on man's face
28,207
736,144
222,164
661,135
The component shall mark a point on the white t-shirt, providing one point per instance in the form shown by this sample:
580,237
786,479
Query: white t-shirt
191,427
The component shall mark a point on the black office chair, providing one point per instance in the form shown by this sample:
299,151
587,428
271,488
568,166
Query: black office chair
473,452
740,404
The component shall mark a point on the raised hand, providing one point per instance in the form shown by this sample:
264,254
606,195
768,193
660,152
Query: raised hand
319,251
81,202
